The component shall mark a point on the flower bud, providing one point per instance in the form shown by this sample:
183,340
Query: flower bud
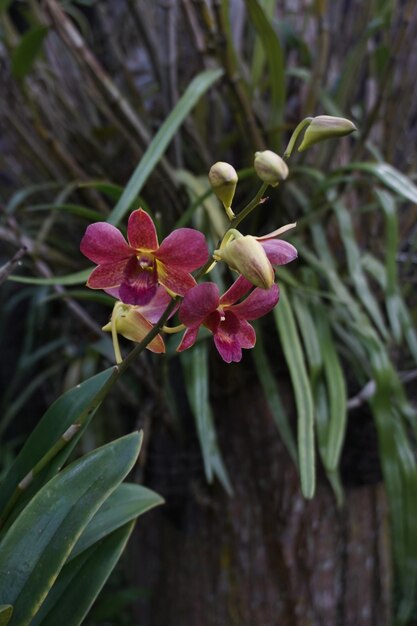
131,324
247,256
270,167
324,127
223,178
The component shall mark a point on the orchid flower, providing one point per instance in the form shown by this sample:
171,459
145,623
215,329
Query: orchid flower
228,321
136,267
135,322
253,257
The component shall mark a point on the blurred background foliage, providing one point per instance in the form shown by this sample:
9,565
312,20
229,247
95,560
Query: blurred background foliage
109,105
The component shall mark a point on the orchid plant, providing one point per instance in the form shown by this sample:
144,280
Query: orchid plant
151,282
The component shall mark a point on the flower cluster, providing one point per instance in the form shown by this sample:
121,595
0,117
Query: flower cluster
145,276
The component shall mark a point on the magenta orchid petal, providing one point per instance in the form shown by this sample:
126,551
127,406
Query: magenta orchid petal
188,339
240,287
228,347
139,285
258,303
213,321
246,335
279,252
104,244
175,279
107,275
184,248
226,338
277,232
154,309
141,231
198,303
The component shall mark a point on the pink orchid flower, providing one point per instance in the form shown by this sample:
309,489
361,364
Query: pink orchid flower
135,322
254,257
227,320
136,267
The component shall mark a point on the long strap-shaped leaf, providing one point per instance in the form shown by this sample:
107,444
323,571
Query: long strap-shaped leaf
81,580
294,356
198,86
6,611
276,67
39,542
196,374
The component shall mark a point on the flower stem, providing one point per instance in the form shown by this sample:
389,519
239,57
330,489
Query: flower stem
249,207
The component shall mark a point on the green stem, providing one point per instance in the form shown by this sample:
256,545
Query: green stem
288,150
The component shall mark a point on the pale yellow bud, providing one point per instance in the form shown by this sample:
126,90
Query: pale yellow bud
324,127
223,178
247,256
270,167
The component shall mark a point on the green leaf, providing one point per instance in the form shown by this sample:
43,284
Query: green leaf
294,356
74,209
272,396
276,66
336,392
389,176
81,580
56,516
122,506
196,374
77,278
25,54
76,406
353,257
198,86
6,611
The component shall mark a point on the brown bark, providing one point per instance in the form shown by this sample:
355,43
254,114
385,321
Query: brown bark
265,557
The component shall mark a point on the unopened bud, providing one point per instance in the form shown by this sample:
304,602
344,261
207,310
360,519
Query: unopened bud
223,178
131,324
324,127
247,256
270,167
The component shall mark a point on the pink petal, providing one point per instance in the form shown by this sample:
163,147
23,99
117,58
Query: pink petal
185,248
175,279
277,232
107,275
188,339
154,309
226,338
279,252
246,335
240,287
257,304
141,231
198,303
139,285
213,321
104,243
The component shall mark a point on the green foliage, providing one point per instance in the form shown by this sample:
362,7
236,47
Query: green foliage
346,320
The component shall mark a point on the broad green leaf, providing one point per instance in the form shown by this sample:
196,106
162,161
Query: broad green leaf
122,506
56,516
198,86
77,278
6,611
76,406
196,374
294,357
270,387
81,580
276,66
27,51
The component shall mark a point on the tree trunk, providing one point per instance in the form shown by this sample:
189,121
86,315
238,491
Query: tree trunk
265,557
